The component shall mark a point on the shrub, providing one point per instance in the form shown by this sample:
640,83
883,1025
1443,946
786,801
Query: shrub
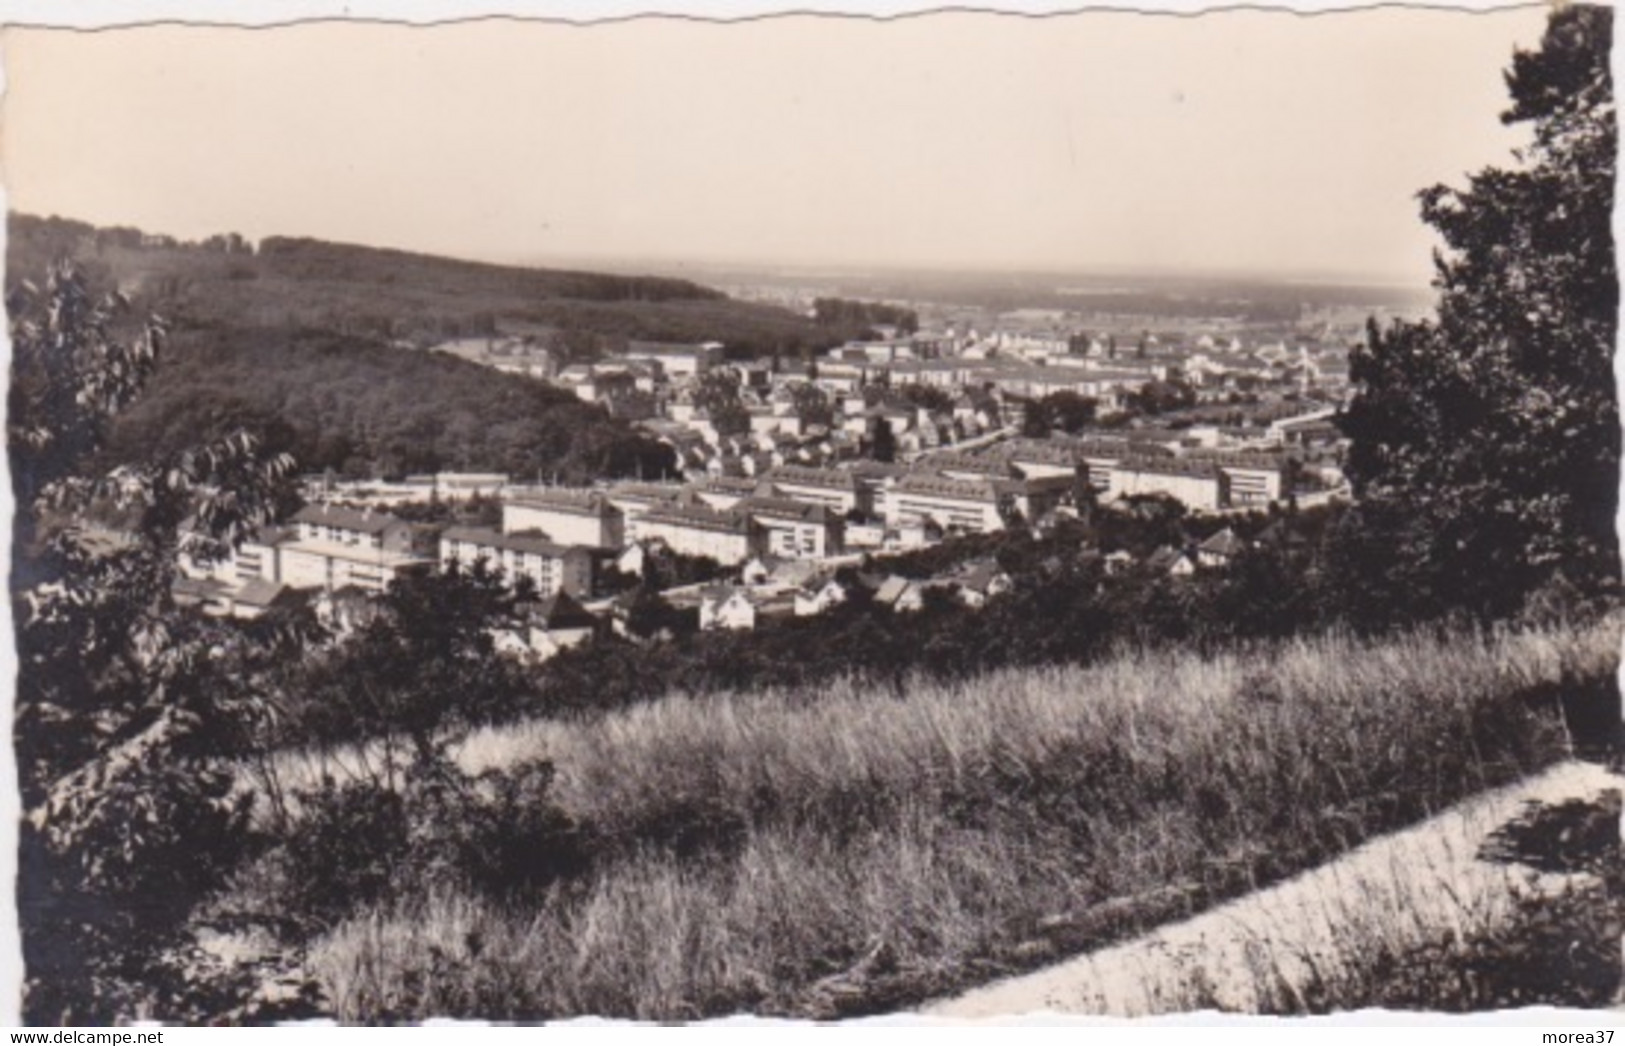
433,827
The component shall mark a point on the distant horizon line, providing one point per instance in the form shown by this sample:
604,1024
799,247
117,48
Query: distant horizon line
1301,277
620,263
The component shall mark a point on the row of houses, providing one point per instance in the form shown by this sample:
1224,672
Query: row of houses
792,511
766,589
743,604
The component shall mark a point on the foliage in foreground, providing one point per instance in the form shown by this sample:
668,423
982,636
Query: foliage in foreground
124,713
1486,442
848,851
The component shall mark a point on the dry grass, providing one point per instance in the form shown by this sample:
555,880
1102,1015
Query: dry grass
1436,916
1419,937
842,851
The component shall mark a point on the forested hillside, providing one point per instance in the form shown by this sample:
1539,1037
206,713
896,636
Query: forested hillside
363,408
400,296
314,346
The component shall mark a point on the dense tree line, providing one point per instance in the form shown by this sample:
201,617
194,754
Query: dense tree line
842,312
1059,411
309,260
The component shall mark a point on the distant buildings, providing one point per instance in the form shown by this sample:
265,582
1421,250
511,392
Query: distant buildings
970,505
792,529
836,489
675,360
334,547
728,607
797,488
1315,427
551,567
1196,484
569,517
694,530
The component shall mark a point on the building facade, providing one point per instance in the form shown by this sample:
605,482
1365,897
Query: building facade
552,567
568,517
335,547
697,531
791,528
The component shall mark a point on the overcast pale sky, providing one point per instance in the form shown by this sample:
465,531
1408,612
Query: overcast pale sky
1238,141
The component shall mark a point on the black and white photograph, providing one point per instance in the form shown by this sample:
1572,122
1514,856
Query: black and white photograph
949,516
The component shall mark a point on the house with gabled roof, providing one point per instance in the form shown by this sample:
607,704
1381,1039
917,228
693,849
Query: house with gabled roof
1221,549
558,623
1280,535
1172,561
817,597
980,582
258,597
766,569
205,593
725,606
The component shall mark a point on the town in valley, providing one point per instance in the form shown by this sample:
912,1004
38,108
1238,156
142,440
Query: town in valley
945,517
788,469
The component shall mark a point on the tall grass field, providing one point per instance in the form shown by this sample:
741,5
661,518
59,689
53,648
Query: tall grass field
849,850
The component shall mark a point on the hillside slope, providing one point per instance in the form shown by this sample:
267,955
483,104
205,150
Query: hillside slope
842,851
363,408
397,295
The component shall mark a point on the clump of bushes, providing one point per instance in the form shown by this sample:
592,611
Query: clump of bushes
368,841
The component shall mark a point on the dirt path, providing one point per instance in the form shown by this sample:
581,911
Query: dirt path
1405,887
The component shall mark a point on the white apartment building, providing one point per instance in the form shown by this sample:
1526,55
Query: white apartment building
337,547
552,567
1196,484
792,529
972,505
696,531
567,516
834,489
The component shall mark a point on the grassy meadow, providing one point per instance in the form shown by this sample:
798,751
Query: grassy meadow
846,850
